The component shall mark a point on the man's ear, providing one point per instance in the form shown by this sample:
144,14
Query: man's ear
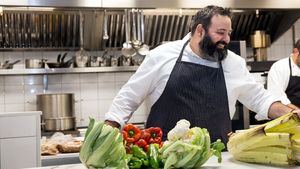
200,31
295,51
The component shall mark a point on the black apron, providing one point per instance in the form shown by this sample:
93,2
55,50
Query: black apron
196,93
293,89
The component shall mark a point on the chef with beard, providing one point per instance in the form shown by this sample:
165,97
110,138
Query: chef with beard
284,78
196,79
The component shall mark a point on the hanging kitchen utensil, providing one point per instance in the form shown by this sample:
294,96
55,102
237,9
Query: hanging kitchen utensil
12,31
38,30
111,28
117,37
81,56
74,31
144,48
135,42
18,26
50,29
105,35
127,50
23,30
63,31
57,30
68,40
32,31
6,30
1,32
44,29
122,37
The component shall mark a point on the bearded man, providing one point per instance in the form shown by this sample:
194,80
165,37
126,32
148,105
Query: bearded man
196,79
284,78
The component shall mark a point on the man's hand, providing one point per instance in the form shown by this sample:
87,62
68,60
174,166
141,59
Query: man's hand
112,123
278,109
292,106
297,111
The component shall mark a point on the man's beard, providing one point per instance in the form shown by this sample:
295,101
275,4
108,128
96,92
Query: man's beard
211,51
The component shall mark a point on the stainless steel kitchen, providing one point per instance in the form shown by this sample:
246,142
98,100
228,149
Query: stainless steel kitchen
86,84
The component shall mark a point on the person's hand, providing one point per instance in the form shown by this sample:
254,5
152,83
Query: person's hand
112,123
292,106
297,111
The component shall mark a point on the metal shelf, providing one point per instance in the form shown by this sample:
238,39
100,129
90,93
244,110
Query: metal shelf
4,72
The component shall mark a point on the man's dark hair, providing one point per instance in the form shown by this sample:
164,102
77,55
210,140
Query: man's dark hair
204,15
297,45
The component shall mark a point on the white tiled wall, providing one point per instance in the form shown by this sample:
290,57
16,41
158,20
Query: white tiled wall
297,30
94,92
283,46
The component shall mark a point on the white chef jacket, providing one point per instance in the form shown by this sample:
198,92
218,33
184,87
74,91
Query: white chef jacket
279,77
151,77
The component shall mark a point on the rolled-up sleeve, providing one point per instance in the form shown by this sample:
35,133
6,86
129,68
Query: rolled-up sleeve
133,93
254,96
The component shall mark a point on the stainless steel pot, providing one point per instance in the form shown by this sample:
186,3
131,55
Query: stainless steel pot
58,124
35,63
57,111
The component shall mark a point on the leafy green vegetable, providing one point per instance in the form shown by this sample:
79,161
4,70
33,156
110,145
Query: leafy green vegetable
103,147
217,148
191,148
153,156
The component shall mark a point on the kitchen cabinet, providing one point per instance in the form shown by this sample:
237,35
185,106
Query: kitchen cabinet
20,135
18,152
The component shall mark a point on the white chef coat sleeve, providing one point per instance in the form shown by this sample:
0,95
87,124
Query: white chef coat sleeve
278,78
253,95
133,93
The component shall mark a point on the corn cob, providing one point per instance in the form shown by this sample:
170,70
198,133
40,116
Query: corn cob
103,147
276,142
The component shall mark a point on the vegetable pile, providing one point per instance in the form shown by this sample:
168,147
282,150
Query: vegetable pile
142,146
142,138
104,147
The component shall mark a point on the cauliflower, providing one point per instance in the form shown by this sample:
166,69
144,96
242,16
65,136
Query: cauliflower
179,131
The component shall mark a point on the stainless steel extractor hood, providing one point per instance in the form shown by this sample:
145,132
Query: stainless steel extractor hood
236,4
28,25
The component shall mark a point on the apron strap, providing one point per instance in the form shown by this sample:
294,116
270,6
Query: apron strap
181,52
290,65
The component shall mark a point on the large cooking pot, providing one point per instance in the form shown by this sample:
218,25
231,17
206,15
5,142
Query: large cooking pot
57,111
58,124
35,63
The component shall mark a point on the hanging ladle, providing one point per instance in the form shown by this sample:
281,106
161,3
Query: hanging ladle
127,50
144,48
135,41
105,35
81,56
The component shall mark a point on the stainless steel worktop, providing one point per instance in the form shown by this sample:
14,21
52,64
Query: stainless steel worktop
227,163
